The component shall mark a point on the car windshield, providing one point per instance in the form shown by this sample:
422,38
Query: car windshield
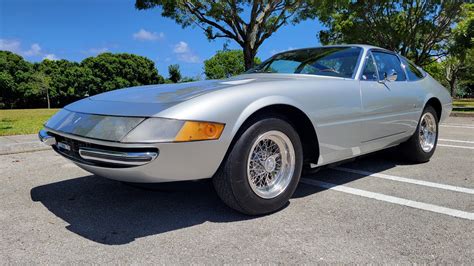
324,61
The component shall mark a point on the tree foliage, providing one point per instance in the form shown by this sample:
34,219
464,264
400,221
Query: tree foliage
455,70
28,85
15,73
225,64
249,23
174,73
417,29
113,71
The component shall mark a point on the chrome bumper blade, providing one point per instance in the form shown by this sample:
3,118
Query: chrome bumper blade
46,138
117,157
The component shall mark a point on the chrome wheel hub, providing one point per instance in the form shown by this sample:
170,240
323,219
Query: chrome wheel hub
271,164
427,132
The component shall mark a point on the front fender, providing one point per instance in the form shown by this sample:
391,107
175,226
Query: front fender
230,107
258,104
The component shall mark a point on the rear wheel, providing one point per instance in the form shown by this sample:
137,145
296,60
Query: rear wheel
421,146
262,169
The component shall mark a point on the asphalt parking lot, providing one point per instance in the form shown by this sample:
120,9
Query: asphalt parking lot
376,209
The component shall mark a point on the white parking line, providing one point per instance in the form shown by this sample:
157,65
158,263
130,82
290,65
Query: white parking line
457,126
455,146
455,140
407,180
391,199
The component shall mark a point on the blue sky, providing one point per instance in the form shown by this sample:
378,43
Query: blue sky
76,29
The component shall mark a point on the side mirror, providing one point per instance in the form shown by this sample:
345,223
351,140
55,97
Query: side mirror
391,76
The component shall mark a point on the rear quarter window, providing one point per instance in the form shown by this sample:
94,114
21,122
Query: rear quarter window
412,70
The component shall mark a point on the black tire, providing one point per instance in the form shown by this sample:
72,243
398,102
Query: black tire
412,150
231,182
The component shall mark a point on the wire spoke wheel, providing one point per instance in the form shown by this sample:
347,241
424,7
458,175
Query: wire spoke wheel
271,164
427,132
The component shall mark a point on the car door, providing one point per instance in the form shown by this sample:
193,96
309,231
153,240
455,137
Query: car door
388,105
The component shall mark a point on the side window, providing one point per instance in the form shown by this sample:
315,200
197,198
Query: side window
413,72
387,63
370,71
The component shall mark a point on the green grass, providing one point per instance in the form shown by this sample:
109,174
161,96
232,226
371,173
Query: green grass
463,103
23,121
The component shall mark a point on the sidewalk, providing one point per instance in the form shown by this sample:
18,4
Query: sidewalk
21,143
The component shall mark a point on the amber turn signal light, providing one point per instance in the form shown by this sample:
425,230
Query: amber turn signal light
193,130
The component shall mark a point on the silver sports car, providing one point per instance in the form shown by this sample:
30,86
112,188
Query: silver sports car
254,133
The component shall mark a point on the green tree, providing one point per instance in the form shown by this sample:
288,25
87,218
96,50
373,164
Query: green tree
225,64
62,89
461,54
174,73
44,84
113,71
455,71
7,86
57,83
37,88
417,29
249,23
15,72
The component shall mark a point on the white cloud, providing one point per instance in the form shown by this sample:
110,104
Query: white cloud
97,51
15,47
10,45
51,57
181,48
185,54
189,58
35,49
144,35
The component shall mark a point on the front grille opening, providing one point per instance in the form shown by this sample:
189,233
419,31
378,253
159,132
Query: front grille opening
69,148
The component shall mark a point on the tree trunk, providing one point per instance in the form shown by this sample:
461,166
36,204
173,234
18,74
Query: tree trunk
47,98
249,57
451,73
452,87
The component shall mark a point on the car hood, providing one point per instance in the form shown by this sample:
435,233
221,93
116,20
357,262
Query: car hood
146,101
167,93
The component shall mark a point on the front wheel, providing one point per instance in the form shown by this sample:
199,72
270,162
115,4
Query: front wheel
262,169
421,146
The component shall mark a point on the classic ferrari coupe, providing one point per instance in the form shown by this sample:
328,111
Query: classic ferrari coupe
254,133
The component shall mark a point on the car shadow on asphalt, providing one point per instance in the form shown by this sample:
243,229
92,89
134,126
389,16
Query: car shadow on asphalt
114,213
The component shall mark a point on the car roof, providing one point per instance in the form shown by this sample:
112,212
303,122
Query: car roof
363,46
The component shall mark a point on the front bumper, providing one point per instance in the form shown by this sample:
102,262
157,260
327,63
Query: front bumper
140,163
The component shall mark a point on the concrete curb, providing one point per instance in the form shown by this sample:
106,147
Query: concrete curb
20,143
22,147
462,114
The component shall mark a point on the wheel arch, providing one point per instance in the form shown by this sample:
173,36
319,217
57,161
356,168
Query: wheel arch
436,104
289,112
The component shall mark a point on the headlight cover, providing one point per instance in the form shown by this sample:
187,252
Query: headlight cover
170,130
111,128
155,130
